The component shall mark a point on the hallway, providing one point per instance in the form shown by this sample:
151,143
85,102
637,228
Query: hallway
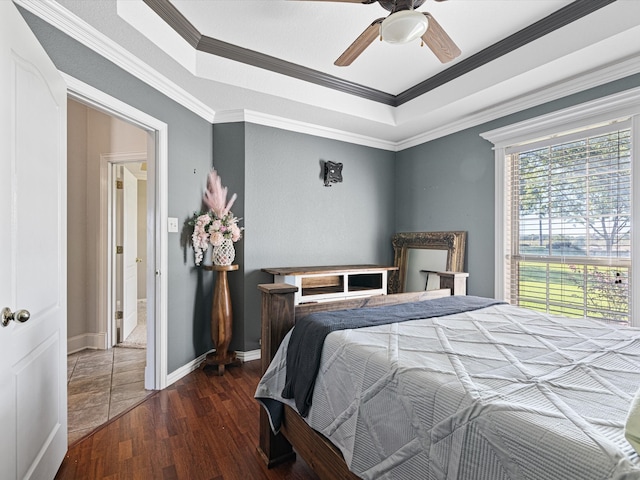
101,384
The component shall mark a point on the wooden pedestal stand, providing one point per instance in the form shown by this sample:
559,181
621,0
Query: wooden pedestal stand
221,320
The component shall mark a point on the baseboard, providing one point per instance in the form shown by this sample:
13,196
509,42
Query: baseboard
195,364
249,356
186,369
94,341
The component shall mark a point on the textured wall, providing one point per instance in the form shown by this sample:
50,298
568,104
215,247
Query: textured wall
448,184
291,218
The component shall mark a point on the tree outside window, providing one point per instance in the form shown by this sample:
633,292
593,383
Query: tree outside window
572,209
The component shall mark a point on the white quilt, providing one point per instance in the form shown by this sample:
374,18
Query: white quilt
497,393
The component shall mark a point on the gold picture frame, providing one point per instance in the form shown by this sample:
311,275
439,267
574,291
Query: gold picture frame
451,244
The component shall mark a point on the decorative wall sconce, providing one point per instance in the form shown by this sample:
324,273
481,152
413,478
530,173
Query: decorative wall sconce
332,173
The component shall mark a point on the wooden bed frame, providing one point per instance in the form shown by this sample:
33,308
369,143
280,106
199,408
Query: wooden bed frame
278,317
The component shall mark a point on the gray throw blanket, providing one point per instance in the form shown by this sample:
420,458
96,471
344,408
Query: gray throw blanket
307,338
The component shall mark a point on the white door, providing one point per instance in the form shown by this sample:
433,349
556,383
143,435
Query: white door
33,366
129,252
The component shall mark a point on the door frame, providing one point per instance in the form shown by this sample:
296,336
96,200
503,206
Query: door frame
108,164
157,252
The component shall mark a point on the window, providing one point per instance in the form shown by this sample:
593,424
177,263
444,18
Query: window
565,186
569,217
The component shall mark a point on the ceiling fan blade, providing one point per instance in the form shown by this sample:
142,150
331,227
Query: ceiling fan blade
359,45
439,42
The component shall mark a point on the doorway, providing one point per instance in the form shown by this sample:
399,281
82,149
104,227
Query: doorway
89,211
105,153
127,249
106,366
156,376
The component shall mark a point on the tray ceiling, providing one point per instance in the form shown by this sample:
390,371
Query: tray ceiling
273,59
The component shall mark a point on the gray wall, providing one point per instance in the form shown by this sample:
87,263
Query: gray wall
190,153
229,162
291,218
448,184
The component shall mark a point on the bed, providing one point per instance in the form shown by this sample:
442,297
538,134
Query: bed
495,392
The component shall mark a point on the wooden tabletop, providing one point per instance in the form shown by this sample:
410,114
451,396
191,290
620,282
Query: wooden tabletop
324,269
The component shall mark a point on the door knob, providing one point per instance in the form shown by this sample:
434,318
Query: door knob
138,260
19,316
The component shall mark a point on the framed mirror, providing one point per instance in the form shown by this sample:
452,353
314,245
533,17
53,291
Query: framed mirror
418,253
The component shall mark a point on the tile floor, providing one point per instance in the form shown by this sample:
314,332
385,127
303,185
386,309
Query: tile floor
101,385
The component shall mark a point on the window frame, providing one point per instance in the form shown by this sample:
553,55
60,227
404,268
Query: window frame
612,108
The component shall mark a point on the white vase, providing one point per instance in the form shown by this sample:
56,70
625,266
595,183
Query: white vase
224,254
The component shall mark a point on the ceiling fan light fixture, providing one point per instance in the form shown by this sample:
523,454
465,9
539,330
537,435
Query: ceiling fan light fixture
403,26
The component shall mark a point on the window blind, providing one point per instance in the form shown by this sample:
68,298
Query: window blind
569,223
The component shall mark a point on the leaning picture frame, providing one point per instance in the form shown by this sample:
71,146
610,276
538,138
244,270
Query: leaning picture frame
446,253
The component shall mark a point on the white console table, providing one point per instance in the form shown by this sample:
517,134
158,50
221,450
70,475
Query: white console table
329,283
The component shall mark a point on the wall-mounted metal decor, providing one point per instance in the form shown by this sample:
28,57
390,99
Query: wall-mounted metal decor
332,173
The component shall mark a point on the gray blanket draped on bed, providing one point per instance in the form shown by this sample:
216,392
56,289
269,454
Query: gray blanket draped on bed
307,338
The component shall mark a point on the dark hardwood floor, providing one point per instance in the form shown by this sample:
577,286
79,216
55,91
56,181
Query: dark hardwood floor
201,427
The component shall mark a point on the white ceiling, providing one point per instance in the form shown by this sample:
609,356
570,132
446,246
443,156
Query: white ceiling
601,46
315,33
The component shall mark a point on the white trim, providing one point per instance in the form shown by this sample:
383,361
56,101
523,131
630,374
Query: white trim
635,220
93,341
562,89
268,120
611,107
107,259
126,157
618,106
70,24
186,369
193,365
76,28
89,95
73,26
161,181
499,226
570,136
157,354
249,355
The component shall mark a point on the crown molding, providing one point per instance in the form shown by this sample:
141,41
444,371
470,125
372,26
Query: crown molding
79,30
203,43
558,19
76,28
249,116
601,76
617,105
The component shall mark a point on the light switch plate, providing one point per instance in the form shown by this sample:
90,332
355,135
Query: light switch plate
172,225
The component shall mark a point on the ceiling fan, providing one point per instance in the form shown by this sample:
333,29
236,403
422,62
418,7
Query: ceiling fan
402,25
